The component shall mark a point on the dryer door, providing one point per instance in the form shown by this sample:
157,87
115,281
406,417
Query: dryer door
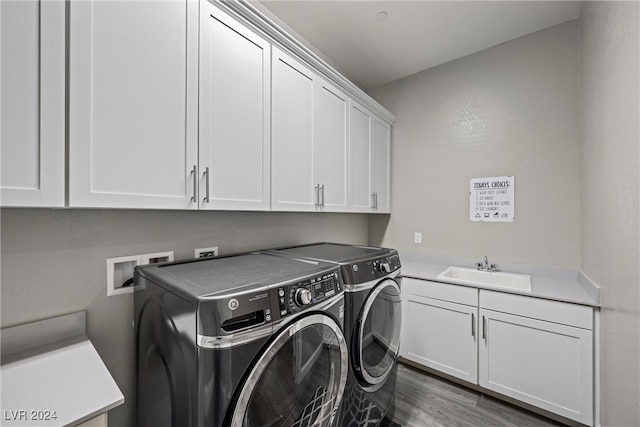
300,378
377,342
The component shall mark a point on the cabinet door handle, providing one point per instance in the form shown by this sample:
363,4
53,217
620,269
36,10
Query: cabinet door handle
317,189
473,325
194,172
484,328
322,192
376,199
206,183
373,200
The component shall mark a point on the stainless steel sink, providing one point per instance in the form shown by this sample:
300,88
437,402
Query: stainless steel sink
499,279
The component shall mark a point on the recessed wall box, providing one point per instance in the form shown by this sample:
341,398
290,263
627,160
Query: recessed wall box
120,274
157,257
205,252
120,270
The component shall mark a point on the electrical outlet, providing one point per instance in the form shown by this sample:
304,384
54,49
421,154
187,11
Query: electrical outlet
417,237
157,257
206,252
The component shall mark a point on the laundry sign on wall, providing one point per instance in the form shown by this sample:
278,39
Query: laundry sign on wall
491,199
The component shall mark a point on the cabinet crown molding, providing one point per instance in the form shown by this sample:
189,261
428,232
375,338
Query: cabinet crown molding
251,14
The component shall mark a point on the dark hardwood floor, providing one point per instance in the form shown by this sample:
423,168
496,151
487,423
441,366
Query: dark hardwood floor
425,400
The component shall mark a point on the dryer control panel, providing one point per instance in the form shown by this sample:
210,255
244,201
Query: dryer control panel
371,269
293,298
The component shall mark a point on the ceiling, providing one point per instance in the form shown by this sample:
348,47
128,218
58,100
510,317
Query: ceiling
416,35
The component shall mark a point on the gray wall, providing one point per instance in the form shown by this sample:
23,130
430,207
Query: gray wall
508,110
559,110
54,262
610,119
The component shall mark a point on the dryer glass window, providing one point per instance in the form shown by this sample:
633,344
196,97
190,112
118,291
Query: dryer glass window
300,379
380,332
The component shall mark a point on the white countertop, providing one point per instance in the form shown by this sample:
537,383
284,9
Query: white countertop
59,383
548,283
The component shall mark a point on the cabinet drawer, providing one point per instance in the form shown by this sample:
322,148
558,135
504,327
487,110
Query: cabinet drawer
440,291
551,311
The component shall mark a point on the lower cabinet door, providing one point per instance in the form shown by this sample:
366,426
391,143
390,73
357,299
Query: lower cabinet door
441,335
545,364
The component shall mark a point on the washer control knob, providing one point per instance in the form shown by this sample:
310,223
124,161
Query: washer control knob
302,297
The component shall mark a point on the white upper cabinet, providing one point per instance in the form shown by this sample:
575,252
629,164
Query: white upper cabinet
369,154
331,123
234,138
133,99
33,103
381,169
179,104
294,185
360,128
310,120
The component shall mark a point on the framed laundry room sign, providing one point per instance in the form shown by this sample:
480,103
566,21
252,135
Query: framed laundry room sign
492,199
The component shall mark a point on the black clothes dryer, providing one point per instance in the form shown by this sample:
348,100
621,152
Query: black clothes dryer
249,340
372,325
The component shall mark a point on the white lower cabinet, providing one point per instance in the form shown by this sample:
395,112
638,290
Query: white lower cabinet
536,351
438,333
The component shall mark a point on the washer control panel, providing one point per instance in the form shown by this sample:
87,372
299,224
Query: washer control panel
301,295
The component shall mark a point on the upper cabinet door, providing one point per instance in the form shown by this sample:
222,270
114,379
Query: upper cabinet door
133,90
33,103
360,160
294,185
381,147
234,138
370,148
331,123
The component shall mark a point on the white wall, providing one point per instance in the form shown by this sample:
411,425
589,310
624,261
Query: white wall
508,110
610,118
54,262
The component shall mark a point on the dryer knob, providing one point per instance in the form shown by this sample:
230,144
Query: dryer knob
302,297
384,267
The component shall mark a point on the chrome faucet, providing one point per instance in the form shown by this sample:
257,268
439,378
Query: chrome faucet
486,266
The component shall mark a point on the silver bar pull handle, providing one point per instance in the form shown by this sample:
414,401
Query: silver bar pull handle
322,192
484,328
473,325
194,172
376,200
317,190
373,200
206,183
